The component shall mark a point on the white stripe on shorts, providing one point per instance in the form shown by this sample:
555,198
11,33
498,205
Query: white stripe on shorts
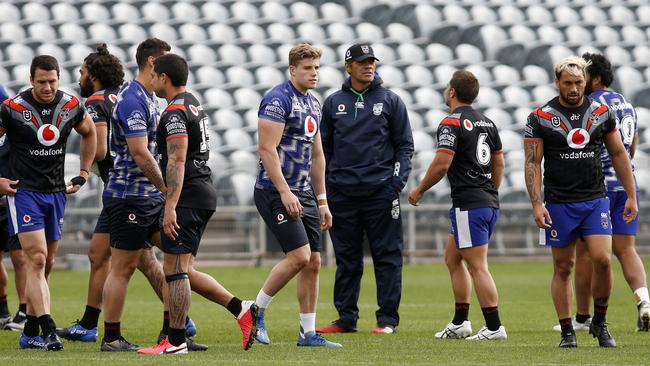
462,225
542,236
11,201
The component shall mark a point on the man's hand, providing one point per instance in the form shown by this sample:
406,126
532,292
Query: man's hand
415,196
74,185
325,217
6,186
630,210
291,204
170,226
542,217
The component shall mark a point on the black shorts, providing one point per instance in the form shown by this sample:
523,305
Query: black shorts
192,222
133,220
7,242
103,223
291,233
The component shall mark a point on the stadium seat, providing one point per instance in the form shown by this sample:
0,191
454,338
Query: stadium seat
199,54
493,37
280,33
418,75
446,33
538,14
244,11
261,54
433,118
641,96
643,118
33,12
564,15
184,12
163,31
357,7
515,96
606,35
243,184
218,164
53,50
488,97
251,33
443,74
578,35
483,14
155,12
504,74
628,78
593,15
131,33
550,34
311,32
217,98
303,12
250,120
559,52
468,54
18,53
439,53
238,76
509,14
642,56
427,97
100,32
633,35
4,77
368,32
511,141
20,73
515,160
422,141
415,120
245,97
214,12
621,14
63,12
455,13
404,95
41,32
224,119
384,53
9,13
543,93
618,55
230,54
274,12
244,161
391,75
12,32
410,54
191,33
340,32
71,33
209,76
329,56
78,52
522,33
94,13
125,12
643,14
483,75
520,116
237,139
501,118
381,14
398,32
330,77
333,12
268,76
427,16
221,33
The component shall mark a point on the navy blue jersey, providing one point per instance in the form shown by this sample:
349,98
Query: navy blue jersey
135,114
39,134
572,138
300,114
99,106
627,128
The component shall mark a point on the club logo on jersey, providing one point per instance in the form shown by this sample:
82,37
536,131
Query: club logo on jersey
194,110
48,135
112,98
27,219
27,115
556,121
604,220
468,125
627,129
377,108
577,138
310,126
131,216
553,233
65,114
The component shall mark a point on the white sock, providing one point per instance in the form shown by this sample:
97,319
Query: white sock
308,323
263,300
641,295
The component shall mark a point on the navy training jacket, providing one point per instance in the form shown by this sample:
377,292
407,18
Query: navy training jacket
367,139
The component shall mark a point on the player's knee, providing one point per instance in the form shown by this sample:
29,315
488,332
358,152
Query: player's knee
38,261
563,268
17,259
314,265
601,262
97,258
299,259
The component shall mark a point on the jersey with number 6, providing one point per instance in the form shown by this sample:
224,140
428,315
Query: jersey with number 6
472,139
184,118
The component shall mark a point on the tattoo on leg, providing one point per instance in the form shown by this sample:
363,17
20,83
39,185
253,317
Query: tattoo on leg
180,297
152,269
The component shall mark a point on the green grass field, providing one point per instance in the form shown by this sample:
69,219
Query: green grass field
427,305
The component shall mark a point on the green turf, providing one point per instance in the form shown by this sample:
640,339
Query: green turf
427,305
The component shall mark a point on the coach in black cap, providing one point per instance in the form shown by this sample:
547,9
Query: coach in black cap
368,147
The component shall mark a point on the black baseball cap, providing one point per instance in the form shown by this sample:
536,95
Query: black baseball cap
359,52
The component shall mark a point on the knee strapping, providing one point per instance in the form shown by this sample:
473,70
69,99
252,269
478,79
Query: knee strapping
177,277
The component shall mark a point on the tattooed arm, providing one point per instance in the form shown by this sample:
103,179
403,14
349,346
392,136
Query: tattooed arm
534,153
145,161
174,175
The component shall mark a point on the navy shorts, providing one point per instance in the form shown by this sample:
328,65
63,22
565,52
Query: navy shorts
32,211
192,222
7,242
291,233
616,205
575,220
133,220
103,223
472,228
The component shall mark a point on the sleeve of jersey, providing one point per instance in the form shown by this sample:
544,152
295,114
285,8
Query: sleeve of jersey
610,124
326,129
80,109
498,146
132,117
175,126
97,113
274,108
532,131
448,131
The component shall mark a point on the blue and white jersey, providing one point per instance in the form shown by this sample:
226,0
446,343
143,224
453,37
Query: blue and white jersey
301,116
135,114
627,128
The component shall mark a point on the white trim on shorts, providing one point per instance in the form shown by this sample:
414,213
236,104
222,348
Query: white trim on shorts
542,236
11,203
462,225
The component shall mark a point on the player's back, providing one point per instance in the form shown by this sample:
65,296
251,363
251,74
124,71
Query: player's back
472,139
100,106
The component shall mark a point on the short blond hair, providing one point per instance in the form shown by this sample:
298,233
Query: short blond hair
303,51
573,65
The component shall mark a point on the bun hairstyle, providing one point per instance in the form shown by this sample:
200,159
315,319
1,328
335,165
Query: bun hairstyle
105,67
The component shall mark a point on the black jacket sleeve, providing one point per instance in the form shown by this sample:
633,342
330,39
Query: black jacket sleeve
326,129
402,139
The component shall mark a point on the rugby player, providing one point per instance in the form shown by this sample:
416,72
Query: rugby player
568,133
291,161
469,153
183,141
42,118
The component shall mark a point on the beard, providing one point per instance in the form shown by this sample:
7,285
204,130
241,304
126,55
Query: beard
86,89
573,102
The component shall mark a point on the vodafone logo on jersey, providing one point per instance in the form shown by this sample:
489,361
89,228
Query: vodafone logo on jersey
113,98
48,135
577,138
311,127
194,110
468,125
